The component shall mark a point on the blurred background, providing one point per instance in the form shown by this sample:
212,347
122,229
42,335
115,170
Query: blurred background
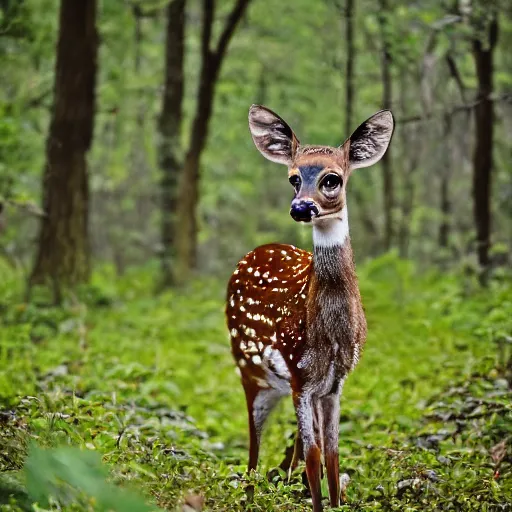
123,129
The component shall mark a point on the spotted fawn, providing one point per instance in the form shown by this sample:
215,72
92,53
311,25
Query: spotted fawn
296,320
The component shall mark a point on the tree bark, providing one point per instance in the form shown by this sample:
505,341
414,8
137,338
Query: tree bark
412,141
211,62
348,14
444,192
484,124
387,94
349,69
63,247
170,123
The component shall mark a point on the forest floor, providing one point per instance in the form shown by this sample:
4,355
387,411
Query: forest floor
122,394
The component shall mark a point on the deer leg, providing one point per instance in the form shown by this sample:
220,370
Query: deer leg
318,424
298,453
292,456
331,412
304,406
260,403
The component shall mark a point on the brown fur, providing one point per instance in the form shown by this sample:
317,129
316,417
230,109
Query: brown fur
296,319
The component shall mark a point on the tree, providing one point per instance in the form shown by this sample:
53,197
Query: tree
444,191
350,101
349,68
169,127
411,142
449,145
211,62
63,246
387,95
484,44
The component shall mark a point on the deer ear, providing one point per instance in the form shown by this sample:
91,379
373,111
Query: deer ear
371,140
274,139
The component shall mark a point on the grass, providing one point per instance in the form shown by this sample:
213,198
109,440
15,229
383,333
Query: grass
149,385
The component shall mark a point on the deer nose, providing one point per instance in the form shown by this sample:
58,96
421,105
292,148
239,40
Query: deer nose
302,210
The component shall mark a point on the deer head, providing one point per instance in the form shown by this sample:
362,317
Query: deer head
319,174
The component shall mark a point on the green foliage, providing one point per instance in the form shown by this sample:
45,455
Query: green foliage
149,384
75,479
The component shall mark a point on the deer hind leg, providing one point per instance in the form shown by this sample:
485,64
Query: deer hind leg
305,408
318,425
298,453
260,403
293,455
291,464
331,412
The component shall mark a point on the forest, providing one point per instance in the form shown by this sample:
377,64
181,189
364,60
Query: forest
130,187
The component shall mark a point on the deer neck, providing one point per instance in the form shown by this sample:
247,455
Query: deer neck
332,254
333,303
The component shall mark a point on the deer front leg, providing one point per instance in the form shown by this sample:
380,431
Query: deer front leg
331,410
304,407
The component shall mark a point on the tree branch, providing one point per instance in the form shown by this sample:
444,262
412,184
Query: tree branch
505,98
229,28
454,72
25,206
206,33
139,12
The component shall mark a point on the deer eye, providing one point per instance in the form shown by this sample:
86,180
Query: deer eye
295,181
331,181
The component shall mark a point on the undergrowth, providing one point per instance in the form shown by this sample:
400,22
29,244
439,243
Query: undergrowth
122,392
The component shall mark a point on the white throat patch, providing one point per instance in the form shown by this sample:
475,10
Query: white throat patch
331,231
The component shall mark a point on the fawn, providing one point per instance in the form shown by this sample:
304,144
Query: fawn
296,320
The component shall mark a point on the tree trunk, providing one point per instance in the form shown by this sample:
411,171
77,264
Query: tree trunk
189,185
444,227
388,189
444,192
407,205
482,156
366,219
170,122
349,69
411,143
211,62
63,248
404,232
